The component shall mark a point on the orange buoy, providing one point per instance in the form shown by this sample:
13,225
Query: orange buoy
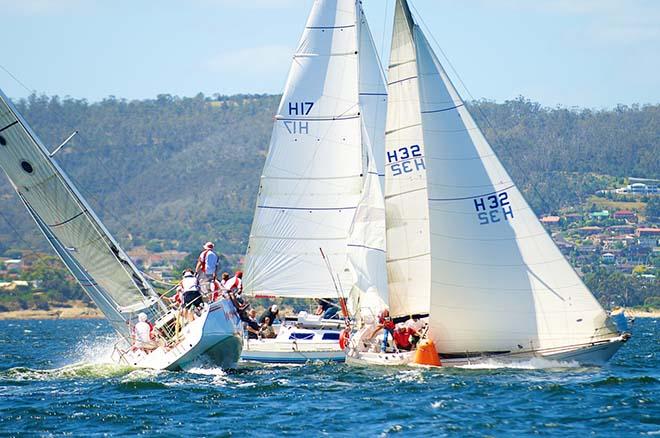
426,353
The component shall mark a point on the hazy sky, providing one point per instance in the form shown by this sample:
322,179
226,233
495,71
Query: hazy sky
588,53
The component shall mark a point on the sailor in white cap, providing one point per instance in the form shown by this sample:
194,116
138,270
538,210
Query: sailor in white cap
143,333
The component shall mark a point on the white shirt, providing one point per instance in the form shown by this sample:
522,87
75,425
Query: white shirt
209,260
189,284
142,333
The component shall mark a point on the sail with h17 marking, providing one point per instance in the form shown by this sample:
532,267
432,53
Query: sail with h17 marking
87,249
314,177
498,283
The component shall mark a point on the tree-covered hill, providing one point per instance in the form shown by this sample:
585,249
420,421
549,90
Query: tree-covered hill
186,170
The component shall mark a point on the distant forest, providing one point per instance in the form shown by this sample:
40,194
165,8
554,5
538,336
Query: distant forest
180,171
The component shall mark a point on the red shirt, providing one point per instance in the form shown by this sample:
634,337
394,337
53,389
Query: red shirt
402,338
386,322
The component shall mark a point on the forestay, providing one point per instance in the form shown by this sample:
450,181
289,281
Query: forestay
316,166
498,282
87,249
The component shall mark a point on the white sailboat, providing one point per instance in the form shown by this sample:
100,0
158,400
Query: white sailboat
99,264
463,245
320,166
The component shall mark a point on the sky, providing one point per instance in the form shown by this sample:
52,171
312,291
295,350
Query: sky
573,53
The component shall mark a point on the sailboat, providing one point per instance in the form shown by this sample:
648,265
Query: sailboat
463,245
324,160
101,266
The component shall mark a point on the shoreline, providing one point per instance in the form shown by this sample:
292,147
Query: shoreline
74,312
84,312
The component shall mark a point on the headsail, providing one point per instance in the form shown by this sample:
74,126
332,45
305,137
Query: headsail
498,282
406,205
94,258
315,172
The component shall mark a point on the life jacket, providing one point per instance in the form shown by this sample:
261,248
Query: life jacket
234,283
202,260
215,290
386,322
189,284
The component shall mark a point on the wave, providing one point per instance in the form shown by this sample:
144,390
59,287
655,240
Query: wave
74,371
536,363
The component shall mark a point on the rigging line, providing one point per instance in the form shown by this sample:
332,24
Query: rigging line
481,112
31,91
382,42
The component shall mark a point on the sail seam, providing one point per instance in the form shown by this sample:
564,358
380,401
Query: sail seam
373,94
474,196
299,238
443,109
512,265
318,55
272,207
473,287
9,126
68,220
405,193
310,178
409,257
402,128
402,80
318,119
331,27
401,63
365,246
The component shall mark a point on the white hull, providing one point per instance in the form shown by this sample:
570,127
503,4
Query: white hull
297,345
215,335
593,354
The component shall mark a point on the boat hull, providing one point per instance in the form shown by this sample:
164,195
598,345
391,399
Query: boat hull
296,343
215,336
593,354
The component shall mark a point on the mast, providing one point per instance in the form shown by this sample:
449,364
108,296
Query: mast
77,235
498,281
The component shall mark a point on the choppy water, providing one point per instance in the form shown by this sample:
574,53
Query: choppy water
55,379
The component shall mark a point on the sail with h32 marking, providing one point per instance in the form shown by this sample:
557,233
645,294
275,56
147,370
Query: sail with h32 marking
87,249
406,205
314,172
498,282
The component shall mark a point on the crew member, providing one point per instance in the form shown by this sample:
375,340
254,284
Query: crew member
207,264
143,334
190,290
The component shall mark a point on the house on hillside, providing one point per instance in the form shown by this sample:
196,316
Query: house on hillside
551,221
648,237
587,231
608,258
573,217
627,215
600,215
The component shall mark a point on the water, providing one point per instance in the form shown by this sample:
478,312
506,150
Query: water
55,379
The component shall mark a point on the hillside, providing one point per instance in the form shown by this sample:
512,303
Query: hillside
186,170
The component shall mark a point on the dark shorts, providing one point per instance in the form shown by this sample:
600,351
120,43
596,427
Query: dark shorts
192,299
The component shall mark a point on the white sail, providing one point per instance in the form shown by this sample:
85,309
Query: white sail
94,258
406,206
498,282
366,249
314,173
373,94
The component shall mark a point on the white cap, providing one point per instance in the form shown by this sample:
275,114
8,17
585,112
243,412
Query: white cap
188,274
209,245
273,308
142,317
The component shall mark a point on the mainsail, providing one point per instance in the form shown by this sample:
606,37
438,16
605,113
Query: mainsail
94,258
497,282
331,113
